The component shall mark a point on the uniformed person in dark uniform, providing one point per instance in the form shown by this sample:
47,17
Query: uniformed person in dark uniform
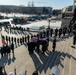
44,34
25,38
18,41
56,32
54,44
38,45
1,50
7,39
60,32
12,39
64,30
74,38
51,32
28,37
44,47
31,36
47,32
37,35
12,47
41,35
15,41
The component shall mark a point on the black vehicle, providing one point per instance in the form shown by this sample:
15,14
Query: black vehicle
31,19
18,21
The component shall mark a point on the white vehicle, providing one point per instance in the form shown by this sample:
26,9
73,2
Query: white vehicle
6,22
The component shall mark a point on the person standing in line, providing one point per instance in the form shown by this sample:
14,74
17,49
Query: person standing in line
12,39
7,39
8,50
38,45
28,37
60,32
51,32
25,39
1,50
12,47
18,41
54,44
56,32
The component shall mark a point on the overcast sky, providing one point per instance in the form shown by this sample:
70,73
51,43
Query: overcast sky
56,4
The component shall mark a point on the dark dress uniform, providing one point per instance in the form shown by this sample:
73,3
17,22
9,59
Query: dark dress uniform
60,32
54,44
51,32
1,50
12,47
74,40
18,41
12,39
44,46
15,40
56,32
7,49
9,39
28,37
25,39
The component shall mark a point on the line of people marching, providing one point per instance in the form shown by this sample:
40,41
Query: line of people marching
43,35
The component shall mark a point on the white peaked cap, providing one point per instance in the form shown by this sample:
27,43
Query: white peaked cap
55,70
22,73
11,73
